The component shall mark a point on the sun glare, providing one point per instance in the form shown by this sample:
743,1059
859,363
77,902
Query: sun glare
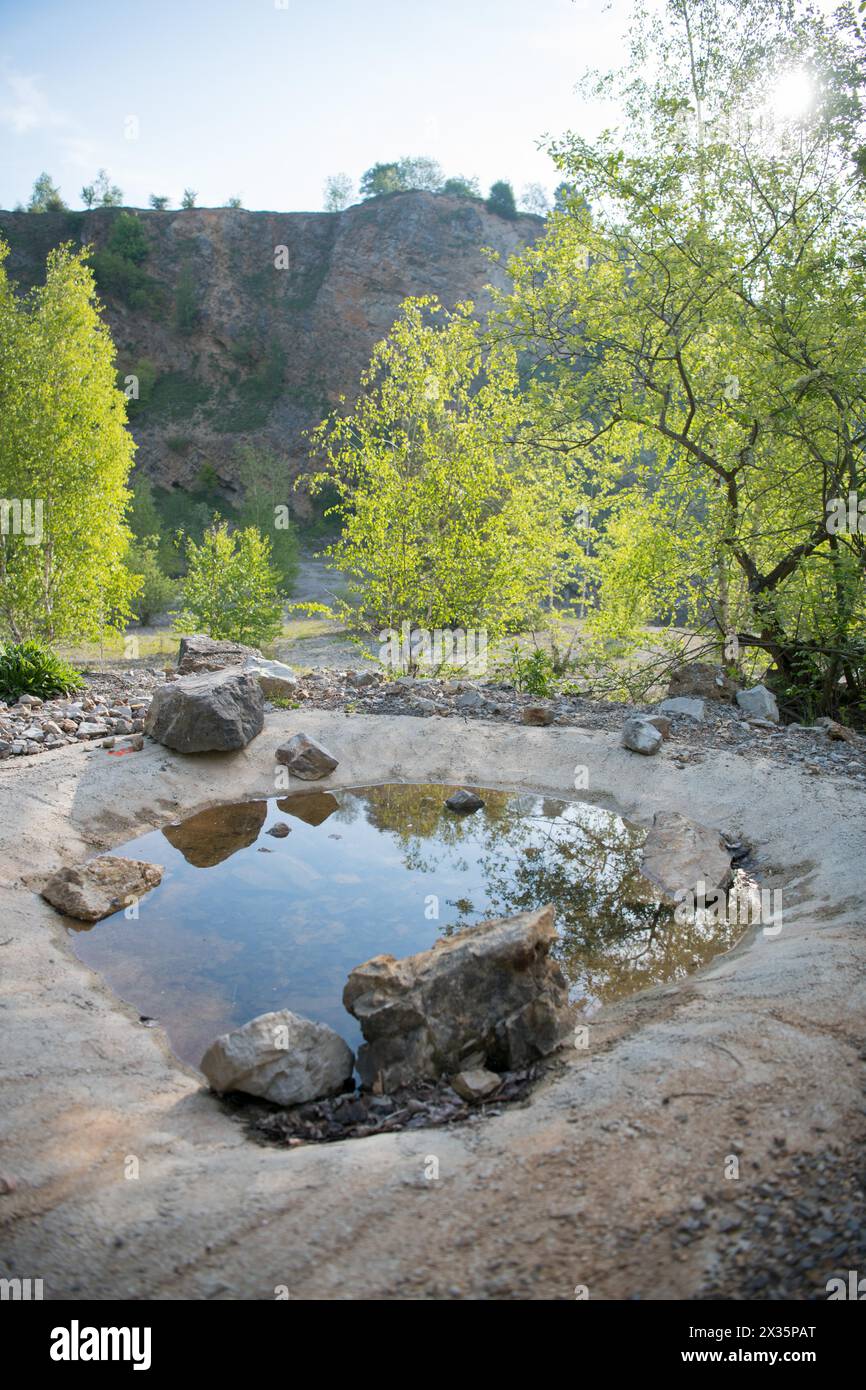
792,93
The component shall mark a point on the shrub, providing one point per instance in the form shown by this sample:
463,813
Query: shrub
128,238
186,306
30,668
231,589
157,590
532,675
501,200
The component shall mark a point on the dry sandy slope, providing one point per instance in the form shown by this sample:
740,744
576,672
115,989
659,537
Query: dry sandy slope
571,1189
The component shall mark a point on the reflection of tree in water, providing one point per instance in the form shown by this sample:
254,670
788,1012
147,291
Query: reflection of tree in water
414,812
532,851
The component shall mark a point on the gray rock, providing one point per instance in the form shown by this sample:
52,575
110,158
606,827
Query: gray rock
275,678
470,699
306,758
476,1084
280,830
464,802
199,654
640,736
492,988
94,890
681,704
281,1057
92,728
759,703
218,712
678,855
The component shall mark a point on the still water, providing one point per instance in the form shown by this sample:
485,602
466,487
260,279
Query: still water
244,922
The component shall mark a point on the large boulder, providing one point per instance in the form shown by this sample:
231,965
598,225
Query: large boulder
305,758
100,887
492,990
699,678
281,1057
759,703
678,855
205,714
199,654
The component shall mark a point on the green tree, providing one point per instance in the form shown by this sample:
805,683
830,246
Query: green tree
501,200
234,202
128,238
107,194
412,171
159,201
157,591
144,518
232,589
381,178
339,190
188,199
64,447
462,187
264,478
534,200
697,341
45,196
449,520
88,195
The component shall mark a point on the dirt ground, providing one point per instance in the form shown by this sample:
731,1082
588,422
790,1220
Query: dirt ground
693,1149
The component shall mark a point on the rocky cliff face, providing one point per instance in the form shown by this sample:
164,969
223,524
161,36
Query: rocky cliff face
235,341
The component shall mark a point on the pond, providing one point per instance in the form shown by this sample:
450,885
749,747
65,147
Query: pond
246,921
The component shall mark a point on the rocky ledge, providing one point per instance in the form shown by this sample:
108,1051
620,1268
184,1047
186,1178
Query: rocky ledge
115,704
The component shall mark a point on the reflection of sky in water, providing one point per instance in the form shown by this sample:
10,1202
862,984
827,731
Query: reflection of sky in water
233,932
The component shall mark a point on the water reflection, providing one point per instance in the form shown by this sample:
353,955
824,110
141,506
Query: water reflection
231,933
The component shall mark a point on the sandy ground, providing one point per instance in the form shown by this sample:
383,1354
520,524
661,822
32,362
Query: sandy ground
125,1179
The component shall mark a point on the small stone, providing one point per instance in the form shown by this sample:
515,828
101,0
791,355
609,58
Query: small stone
835,730
470,699
537,715
477,1084
660,722
681,704
640,736
464,802
280,830
306,758
759,703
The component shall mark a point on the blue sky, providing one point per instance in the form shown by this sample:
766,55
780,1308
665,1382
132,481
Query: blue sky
264,98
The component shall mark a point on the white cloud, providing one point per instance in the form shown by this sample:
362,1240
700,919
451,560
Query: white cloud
24,107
